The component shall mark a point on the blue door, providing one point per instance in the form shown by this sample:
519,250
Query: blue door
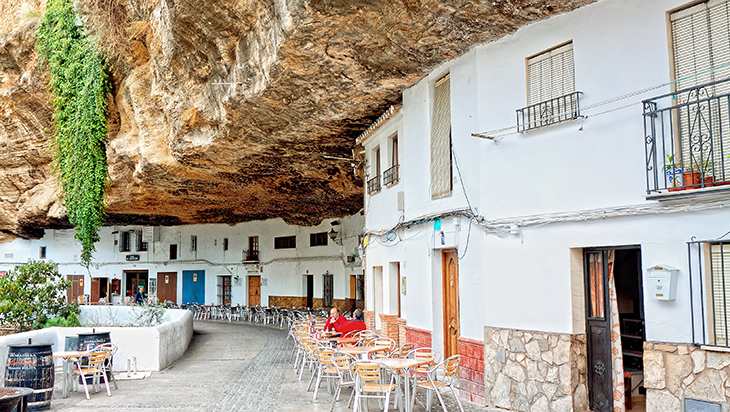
193,290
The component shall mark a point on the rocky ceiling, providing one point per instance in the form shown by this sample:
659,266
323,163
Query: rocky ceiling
229,107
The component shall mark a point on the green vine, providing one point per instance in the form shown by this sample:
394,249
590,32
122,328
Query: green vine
80,86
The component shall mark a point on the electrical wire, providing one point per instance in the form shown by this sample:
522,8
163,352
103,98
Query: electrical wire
495,134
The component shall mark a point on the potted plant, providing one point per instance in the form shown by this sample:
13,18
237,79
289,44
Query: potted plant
674,174
700,175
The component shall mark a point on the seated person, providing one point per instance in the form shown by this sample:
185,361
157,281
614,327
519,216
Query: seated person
335,321
355,325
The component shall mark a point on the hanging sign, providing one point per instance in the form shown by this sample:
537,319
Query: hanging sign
167,279
195,277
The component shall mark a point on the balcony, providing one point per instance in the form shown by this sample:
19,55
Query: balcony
252,256
374,185
553,111
390,176
687,138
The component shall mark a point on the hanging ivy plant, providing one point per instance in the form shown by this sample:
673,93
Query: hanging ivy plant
80,86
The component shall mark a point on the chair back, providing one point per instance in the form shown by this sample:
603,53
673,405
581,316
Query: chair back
451,366
402,351
324,354
374,376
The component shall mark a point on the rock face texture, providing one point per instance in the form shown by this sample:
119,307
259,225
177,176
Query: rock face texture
228,108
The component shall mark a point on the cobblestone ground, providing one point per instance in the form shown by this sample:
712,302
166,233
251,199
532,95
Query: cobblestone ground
228,367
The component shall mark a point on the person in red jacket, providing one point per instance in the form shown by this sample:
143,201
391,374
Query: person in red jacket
355,325
335,321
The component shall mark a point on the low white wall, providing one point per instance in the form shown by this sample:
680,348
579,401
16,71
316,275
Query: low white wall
154,347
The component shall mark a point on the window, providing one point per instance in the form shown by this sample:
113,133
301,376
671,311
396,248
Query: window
225,243
720,280
551,95
173,252
441,179
328,286
285,242
193,243
125,245
253,248
550,74
318,239
224,290
42,253
700,43
374,182
141,244
390,176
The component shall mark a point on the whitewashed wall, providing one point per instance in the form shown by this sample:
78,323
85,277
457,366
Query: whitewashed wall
524,281
283,269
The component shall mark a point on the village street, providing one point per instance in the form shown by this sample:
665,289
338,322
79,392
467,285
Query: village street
228,367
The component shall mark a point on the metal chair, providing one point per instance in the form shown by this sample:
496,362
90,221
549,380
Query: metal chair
439,377
342,362
325,370
373,380
91,365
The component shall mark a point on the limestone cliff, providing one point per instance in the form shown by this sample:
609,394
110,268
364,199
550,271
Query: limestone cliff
229,106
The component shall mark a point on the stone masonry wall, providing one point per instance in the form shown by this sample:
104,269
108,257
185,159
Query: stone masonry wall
673,372
535,371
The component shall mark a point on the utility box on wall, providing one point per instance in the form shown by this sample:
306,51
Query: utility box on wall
661,282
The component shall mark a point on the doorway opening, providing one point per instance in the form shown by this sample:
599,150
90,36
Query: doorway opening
99,289
133,280
254,290
607,320
224,290
450,282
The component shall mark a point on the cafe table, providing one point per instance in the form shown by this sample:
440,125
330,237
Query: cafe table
405,365
362,351
67,357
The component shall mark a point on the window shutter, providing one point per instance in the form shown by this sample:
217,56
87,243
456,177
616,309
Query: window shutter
720,257
550,75
441,140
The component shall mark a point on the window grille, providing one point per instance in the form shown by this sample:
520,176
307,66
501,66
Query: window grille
193,243
125,243
709,279
141,244
441,140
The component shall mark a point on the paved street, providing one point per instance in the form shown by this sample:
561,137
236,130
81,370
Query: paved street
228,367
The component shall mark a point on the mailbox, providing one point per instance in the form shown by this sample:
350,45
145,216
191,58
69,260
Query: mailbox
662,282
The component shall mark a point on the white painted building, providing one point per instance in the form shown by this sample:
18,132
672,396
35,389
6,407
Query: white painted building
267,262
564,173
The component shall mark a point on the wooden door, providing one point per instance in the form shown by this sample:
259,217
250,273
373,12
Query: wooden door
193,290
450,269
328,290
598,331
76,289
353,287
95,286
254,290
167,286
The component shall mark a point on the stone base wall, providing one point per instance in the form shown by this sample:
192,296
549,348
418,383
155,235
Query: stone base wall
673,372
535,371
297,301
471,370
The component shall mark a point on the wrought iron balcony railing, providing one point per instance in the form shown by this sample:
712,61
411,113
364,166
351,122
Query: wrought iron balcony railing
687,138
559,109
252,255
390,176
374,185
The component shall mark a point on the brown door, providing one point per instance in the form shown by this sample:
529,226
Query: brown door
167,286
353,287
95,283
76,289
450,269
598,331
254,290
